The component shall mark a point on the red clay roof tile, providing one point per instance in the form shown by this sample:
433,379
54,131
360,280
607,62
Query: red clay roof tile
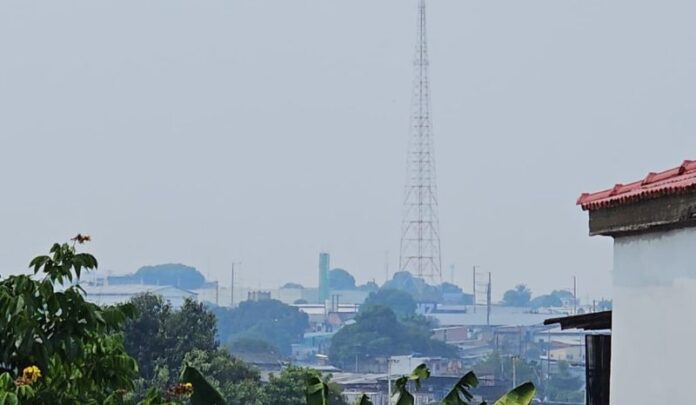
673,181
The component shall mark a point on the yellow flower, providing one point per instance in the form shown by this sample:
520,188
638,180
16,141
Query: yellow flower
184,389
29,376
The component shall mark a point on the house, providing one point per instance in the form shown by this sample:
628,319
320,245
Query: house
597,354
653,224
121,293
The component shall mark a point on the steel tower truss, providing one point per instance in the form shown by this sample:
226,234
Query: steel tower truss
420,233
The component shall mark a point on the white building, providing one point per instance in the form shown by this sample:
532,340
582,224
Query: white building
121,293
653,223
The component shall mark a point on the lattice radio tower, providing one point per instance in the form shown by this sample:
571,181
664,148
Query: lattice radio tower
420,233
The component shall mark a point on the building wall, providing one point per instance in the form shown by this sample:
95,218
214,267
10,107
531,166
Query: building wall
653,329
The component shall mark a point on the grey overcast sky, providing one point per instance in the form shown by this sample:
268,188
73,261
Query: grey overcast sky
207,132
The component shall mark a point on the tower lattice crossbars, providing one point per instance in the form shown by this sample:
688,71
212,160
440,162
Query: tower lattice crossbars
420,234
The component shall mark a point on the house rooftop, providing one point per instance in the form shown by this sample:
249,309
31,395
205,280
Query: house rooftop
591,321
680,179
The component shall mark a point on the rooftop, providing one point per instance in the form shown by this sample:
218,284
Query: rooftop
130,289
677,180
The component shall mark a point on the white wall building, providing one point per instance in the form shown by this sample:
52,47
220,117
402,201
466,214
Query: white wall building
653,223
121,293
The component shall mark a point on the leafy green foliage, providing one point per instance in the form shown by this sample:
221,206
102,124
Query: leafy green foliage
460,394
146,338
77,345
236,380
269,320
317,391
249,345
159,337
203,392
520,395
290,388
377,333
400,302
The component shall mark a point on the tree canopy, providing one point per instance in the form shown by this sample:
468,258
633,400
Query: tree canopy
160,337
517,297
340,279
176,274
557,298
289,388
57,347
270,320
378,332
417,287
400,302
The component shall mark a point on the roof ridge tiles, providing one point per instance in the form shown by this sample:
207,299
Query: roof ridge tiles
671,181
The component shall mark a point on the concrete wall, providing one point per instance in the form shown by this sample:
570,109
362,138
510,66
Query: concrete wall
654,333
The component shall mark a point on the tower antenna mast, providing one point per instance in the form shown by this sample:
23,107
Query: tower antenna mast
420,228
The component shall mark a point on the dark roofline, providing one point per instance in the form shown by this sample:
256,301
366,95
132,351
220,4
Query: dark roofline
591,321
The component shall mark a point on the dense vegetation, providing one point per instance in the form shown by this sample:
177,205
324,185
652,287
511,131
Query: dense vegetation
400,302
521,296
422,291
57,348
179,275
271,321
377,332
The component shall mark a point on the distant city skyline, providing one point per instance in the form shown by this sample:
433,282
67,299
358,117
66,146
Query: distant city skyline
266,132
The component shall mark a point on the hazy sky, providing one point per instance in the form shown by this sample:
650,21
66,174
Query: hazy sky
207,132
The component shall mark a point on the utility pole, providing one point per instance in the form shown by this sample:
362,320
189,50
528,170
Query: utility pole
217,293
474,288
232,284
389,384
488,301
575,296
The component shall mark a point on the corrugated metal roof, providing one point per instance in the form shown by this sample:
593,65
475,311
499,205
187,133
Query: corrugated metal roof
673,181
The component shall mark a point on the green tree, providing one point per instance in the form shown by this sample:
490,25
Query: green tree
378,332
177,274
192,327
145,337
76,346
159,337
237,381
289,388
517,297
340,279
270,320
416,286
249,345
400,302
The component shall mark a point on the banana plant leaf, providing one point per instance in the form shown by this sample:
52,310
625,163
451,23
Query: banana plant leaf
364,400
420,373
520,395
317,391
203,392
401,395
459,394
